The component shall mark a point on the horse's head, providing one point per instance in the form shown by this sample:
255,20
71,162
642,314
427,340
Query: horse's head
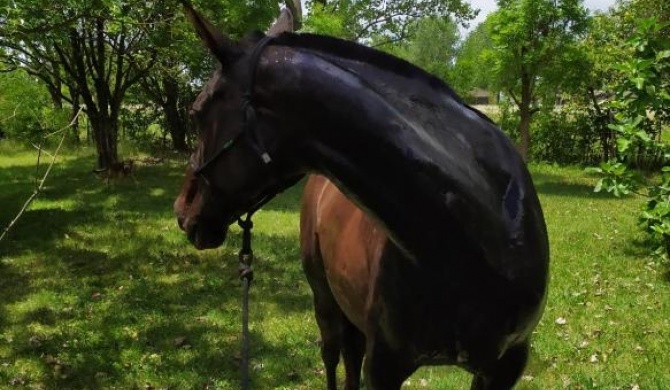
237,163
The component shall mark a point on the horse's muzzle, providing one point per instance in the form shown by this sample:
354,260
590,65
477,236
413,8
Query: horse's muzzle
201,235
180,222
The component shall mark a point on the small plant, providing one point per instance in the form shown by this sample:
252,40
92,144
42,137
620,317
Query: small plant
642,107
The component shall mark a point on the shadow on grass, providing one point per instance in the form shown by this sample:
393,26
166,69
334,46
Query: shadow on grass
93,298
125,315
552,184
13,287
128,305
640,248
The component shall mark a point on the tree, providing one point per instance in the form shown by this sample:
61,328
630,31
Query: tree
604,51
535,47
181,61
97,48
26,113
431,44
367,19
472,68
642,105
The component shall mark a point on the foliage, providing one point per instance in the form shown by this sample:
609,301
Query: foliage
473,64
98,49
535,53
322,20
139,125
379,20
26,113
562,134
642,106
431,44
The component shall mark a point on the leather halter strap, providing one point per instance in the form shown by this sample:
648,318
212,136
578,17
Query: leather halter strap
249,129
250,119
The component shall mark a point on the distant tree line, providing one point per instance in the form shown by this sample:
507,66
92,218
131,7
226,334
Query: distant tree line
111,56
549,63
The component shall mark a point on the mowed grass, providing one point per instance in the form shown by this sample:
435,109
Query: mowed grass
101,290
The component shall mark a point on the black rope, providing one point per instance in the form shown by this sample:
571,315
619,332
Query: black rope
246,272
246,254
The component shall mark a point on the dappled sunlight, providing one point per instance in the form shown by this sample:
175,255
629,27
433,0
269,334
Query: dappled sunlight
157,192
101,288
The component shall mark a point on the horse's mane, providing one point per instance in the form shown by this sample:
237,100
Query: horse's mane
355,52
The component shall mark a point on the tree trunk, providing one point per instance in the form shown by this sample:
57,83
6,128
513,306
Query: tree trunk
74,119
105,135
176,127
525,114
524,133
175,122
56,98
54,88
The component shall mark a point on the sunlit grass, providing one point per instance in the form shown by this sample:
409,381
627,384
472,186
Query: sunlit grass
101,290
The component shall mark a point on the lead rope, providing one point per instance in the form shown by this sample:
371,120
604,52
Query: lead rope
246,272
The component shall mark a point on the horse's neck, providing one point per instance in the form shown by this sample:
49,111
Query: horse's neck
379,156
441,178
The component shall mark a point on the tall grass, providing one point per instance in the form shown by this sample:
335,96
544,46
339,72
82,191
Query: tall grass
100,289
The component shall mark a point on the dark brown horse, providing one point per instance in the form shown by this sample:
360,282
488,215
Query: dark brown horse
458,267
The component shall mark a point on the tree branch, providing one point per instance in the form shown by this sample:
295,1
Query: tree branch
516,101
40,185
364,29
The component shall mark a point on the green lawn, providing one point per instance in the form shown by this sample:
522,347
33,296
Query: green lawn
100,289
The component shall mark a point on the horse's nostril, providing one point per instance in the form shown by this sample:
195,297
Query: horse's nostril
180,222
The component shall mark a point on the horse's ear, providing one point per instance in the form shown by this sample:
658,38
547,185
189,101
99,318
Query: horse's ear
296,10
222,47
283,24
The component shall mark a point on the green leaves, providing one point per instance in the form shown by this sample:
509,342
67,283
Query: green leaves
431,45
618,180
474,62
535,52
641,105
379,20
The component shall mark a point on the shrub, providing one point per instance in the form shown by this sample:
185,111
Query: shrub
26,111
565,135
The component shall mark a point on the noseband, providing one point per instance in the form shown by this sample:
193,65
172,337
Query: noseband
250,121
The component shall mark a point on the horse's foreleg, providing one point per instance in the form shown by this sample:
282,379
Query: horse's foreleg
330,320
385,369
331,344
504,374
352,353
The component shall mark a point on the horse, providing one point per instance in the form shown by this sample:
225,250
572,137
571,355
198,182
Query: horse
341,249
457,269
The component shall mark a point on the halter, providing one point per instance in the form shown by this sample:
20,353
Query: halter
249,124
249,120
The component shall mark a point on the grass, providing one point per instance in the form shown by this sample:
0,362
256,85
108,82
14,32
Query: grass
100,290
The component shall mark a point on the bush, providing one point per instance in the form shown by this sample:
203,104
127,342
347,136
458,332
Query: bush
563,135
26,110
566,135
141,127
